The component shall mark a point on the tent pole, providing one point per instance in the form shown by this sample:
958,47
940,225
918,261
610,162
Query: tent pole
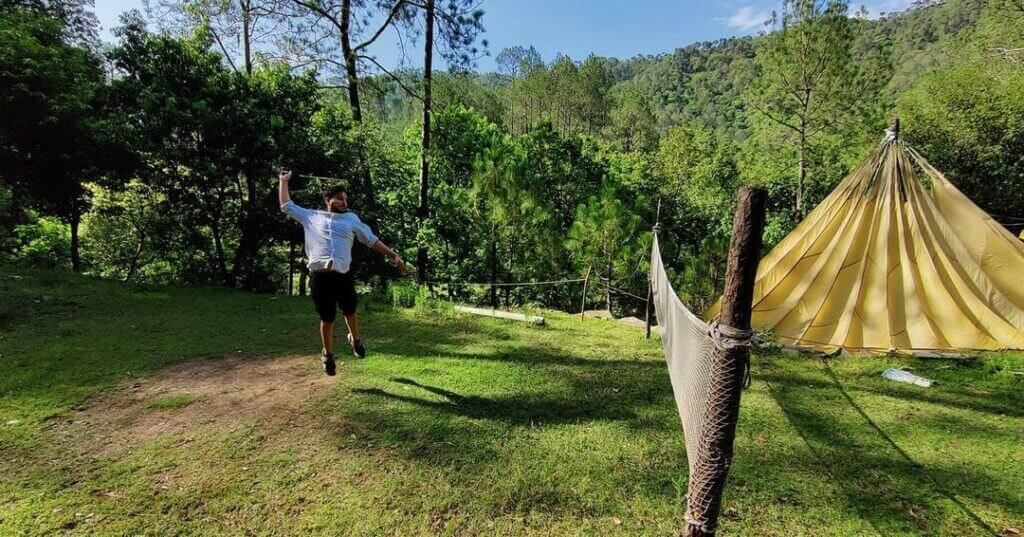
729,362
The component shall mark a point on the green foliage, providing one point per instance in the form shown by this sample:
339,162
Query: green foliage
126,230
46,243
810,81
606,236
51,138
632,126
968,121
695,165
538,171
403,295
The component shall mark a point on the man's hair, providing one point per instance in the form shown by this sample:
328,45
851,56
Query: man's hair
334,190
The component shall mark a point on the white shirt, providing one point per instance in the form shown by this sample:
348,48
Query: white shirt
328,236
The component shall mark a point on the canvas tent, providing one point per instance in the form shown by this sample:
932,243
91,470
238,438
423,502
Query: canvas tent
896,258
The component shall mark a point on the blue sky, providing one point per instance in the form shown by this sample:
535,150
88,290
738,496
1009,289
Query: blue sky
581,27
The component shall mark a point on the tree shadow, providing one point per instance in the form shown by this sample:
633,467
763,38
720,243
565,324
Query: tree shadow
1005,402
881,481
473,429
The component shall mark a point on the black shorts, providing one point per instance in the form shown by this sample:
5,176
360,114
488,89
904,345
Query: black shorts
333,290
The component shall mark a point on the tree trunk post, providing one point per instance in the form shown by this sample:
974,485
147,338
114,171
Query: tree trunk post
650,286
608,290
291,267
76,258
647,310
728,366
583,299
494,274
247,35
424,209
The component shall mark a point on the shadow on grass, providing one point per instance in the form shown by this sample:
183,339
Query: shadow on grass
1005,402
880,480
482,429
523,410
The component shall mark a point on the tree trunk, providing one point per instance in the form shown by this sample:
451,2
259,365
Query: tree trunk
350,60
494,273
424,208
583,300
135,258
291,267
303,275
608,289
352,72
802,174
249,243
247,34
218,244
704,494
75,220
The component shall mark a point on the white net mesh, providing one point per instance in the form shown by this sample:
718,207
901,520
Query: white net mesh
688,349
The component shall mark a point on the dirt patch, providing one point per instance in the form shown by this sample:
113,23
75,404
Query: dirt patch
222,392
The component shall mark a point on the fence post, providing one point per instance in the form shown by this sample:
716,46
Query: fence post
650,286
583,301
729,363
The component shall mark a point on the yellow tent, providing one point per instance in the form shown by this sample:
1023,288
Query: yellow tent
887,263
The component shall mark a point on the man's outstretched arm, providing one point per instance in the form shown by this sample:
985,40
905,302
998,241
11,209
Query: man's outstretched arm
396,259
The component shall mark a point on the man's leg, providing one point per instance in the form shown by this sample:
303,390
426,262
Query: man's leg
352,321
327,335
326,307
348,300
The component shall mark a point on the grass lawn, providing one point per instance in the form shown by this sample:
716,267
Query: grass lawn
167,411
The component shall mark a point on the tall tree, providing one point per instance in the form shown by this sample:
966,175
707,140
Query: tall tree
237,27
459,24
335,36
428,71
808,80
52,139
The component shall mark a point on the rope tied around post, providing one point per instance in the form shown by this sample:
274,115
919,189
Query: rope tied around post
725,338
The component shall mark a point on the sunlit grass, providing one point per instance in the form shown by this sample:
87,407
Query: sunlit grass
465,425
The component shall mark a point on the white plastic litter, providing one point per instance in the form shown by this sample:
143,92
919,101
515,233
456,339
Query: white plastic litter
900,375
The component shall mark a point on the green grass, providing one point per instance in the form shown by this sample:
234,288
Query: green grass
462,425
170,402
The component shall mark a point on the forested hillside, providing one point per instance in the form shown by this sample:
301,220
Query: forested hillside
154,158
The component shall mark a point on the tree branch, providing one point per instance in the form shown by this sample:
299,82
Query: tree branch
387,22
391,75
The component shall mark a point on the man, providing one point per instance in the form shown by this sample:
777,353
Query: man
328,236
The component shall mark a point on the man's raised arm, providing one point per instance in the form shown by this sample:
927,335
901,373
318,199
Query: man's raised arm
282,188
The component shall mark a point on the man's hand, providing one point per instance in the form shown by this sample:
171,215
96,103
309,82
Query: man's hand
285,175
396,260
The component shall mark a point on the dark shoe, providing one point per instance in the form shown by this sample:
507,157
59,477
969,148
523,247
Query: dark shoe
357,347
328,360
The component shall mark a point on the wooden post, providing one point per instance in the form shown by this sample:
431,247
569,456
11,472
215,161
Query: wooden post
650,286
728,365
647,310
291,267
583,301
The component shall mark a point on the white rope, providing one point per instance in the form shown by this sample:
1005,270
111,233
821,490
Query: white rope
319,177
726,337
505,284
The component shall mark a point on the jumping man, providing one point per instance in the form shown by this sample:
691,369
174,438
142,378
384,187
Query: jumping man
328,236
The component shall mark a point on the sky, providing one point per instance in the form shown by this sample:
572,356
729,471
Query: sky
617,28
